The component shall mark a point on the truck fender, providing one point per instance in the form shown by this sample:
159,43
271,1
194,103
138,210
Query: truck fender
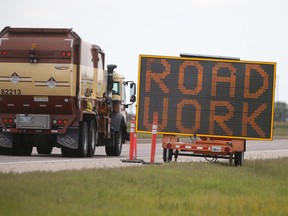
5,139
116,121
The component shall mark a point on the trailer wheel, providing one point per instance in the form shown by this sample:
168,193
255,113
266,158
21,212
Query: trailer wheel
238,158
116,149
93,137
167,155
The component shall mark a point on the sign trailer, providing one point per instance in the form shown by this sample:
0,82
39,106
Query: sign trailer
210,97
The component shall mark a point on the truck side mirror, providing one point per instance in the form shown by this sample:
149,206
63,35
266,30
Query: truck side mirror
132,98
132,87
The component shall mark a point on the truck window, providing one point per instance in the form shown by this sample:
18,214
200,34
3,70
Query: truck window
86,56
100,61
116,89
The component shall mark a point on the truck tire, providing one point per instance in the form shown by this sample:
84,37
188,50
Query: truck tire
116,149
5,151
93,137
67,152
167,155
21,145
82,149
238,158
47,149
43,143
83,139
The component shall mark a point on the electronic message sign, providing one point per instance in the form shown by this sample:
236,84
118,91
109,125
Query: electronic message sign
206,97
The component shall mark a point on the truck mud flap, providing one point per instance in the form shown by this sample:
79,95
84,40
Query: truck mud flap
116,121
6,139
70,139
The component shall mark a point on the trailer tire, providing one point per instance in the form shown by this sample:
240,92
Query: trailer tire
116,149
167,155
238,158
93,137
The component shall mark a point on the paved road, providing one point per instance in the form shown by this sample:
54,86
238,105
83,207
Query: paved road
55,162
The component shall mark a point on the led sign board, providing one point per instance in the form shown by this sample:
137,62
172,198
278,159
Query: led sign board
206,97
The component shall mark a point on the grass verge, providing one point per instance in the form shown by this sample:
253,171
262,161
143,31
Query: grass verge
280,129
257,188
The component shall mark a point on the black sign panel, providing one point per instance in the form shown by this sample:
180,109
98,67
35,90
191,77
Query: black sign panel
206,97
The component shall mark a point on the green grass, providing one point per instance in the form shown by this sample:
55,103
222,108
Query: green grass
280,129
257,188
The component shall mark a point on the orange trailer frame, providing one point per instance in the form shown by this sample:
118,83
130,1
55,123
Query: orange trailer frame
208,147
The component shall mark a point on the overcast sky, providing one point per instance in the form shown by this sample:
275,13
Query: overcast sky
249,29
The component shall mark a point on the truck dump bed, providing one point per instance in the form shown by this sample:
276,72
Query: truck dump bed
37,70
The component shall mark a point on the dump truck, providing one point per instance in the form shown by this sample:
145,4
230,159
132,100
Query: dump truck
213,103
56,92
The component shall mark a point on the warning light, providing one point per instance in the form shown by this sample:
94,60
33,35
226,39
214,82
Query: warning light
3,52
8,120
66,54
227,149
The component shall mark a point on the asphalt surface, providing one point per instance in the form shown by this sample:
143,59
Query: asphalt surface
55,162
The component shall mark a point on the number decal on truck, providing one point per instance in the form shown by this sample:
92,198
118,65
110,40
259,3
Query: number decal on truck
10,91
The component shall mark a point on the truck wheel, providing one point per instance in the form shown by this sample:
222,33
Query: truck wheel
43,143
83,140
93,137
67,152
238,158
21,145
44,149
116,149
5,151
167,155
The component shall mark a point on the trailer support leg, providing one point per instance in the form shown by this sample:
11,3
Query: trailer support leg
176,155
230,159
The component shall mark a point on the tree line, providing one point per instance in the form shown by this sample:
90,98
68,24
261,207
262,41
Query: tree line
281,112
